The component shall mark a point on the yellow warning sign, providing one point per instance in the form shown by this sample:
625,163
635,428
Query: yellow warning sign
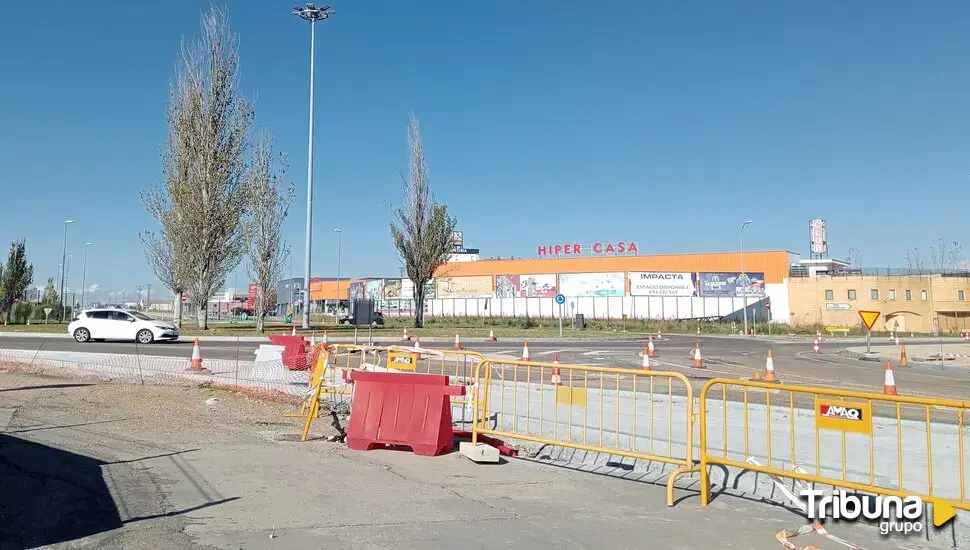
402,361
869,318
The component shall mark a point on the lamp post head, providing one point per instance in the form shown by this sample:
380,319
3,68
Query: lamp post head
337,231
88,244
312,13
68,221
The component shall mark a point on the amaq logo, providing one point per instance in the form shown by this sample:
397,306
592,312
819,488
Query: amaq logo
839,411
399,359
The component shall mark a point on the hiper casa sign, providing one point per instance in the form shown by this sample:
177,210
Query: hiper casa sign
656,283
596,249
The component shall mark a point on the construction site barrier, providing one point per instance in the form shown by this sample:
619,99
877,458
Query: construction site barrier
889,445
640,414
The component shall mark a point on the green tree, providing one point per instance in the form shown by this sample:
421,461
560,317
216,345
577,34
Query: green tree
16,277
50,297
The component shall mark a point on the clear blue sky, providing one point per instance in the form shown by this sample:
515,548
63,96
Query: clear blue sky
668,123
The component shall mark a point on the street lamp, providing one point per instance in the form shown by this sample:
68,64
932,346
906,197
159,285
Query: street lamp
312,14
63,263
744,291
84,272
339,234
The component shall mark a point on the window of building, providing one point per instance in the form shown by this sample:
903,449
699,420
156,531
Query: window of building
959,295
909,294
875,294
829,295
851,294
892,293
922,295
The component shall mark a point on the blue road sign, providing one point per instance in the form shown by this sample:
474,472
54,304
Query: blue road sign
560,299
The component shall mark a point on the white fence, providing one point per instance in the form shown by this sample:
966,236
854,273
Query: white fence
619,307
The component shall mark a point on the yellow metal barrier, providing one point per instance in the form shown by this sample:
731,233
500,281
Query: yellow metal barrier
631,413
868,442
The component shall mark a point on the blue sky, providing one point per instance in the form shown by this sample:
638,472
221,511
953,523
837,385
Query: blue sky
668,123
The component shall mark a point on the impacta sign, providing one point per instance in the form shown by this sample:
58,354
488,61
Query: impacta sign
654,283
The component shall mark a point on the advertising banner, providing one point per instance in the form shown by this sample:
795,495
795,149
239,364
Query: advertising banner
374,289
592,284
658,283
726,285
392,289
525,286
355,291
407,290
465,287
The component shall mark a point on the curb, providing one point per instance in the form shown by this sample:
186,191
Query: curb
919,364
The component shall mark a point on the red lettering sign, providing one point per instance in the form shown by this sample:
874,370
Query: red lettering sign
621,247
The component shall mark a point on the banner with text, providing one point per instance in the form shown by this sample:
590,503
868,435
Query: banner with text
657,283
392,289
728,285
407,290
592,284
525,286
479,286
374,289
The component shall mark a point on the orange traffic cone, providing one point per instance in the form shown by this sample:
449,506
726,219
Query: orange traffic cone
525,352
293,332
406,338
903,359
313,339
698,331
646,361
650,349
815,347
196,361
660,335
417,343
556,374
698,362
491,335
457,341
889,384
324,341
770,375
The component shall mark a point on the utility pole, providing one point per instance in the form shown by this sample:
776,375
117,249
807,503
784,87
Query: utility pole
149,300
744,291
63,263
84,273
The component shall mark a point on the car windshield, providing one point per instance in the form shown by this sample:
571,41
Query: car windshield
140,315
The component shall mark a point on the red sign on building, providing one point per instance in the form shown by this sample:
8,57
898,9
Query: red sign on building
576,249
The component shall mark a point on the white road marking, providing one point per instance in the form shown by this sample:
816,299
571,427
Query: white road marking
551,352
596,352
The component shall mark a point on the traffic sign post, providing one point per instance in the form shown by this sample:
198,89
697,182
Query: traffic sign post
869,320
47,313
560,299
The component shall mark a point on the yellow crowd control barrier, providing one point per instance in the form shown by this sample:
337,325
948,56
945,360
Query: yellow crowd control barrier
631,413
890,445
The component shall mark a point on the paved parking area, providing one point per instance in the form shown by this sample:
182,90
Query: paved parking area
101,465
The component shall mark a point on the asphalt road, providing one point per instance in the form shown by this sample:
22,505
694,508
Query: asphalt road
730,357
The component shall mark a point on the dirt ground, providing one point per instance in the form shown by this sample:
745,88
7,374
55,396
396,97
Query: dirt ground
94,464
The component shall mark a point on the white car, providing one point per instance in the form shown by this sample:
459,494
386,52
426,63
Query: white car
121,324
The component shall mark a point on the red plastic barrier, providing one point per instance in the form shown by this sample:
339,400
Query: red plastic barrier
294,350
410,410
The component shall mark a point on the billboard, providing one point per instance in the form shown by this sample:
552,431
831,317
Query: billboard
355,291
407,290
479,286
525,286
726,285
817,236
392,289
592,284
658,283
374,289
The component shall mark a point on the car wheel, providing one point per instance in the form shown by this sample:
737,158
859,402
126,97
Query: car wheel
144,336
82,335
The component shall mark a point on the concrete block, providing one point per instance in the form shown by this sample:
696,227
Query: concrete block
267,352
479,452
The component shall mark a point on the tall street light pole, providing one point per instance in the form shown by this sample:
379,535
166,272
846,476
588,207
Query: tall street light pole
63,263
84,273
744,291
339,234
312,14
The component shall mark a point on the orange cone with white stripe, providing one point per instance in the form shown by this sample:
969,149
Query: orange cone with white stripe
660,335
650,349
324,341
457,341
889,384
698,362
556,374
293,332
525,352
196,361
406,338
903,359
491,335
770,375
313,338
417,343
646,361
815,347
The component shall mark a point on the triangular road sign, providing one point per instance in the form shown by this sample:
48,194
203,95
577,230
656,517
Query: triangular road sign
942,513
869,318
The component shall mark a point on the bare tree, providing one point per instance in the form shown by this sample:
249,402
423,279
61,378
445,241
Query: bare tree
915,261
270,200
422,229
946,256
203,203
165,262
